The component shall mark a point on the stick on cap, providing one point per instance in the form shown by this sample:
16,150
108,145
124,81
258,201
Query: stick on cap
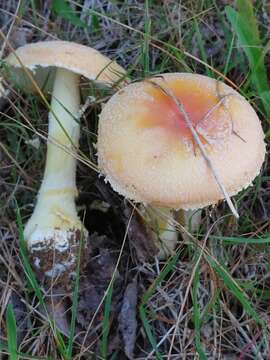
148,153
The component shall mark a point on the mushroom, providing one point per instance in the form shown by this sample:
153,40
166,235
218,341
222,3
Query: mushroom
54,230
148,152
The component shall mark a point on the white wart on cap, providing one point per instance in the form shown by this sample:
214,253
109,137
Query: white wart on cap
148,154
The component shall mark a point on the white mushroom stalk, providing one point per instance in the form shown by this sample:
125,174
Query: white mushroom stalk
54,231
162,222
54,224
167,224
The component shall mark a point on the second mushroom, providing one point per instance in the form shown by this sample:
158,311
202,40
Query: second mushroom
54,230
149,154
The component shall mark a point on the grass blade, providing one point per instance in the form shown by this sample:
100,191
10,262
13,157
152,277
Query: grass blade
146,297
232,240
201,46
106,323
30,275
64,10
245,25
196,315
245,7
235,289
75,299
11,333
149,333
146,40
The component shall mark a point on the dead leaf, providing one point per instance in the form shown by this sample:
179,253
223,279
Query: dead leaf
127,318
57,308
141,237
20,313
20,36
96,278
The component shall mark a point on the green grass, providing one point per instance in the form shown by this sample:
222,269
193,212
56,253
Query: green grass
197,315
11,333
63,9
146,41
74,307
146,298
236,289
245,26
106,323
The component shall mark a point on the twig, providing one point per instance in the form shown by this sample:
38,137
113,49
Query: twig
250,342
188,287
10,28
188,122
8,154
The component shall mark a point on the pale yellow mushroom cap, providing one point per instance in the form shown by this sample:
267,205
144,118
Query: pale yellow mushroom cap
148,154
42,58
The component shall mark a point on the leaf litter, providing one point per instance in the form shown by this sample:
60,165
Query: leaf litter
127,318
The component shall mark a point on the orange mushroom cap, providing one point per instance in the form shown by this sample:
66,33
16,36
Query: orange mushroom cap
147,151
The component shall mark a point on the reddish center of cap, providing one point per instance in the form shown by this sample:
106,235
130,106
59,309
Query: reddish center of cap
208,115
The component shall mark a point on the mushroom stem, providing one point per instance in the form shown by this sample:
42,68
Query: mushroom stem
54,227
191,219
54,231
162,222
63,136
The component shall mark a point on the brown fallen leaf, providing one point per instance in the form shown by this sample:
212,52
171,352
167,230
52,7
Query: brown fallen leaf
57,307
141,237
95,280
20,313
127,318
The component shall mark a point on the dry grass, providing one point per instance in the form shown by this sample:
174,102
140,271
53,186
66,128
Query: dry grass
210,301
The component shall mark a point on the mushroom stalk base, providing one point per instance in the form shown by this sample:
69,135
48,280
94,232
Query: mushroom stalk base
163,221
54,230
191,220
